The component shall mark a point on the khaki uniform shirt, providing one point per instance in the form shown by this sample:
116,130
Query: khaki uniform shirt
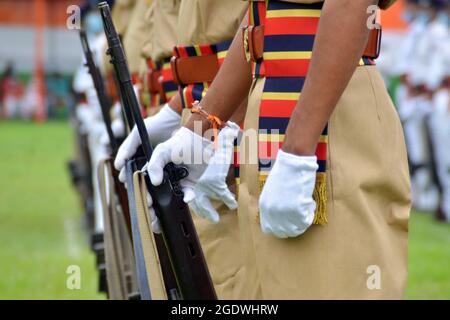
135,35
146,50
121,14
209,21
164,17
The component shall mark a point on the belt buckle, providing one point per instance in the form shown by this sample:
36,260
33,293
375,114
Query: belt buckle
247,53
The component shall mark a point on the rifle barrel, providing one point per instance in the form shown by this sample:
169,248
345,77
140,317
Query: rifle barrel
104,101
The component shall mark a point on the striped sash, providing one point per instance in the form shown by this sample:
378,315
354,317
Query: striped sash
290,29
148,99
169,86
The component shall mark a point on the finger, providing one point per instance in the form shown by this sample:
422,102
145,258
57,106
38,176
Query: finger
279,232
211,213
122,155
189,194
197,208
294,232
122,175
127,149
266,229
104,139
149,200
155,225
229,199
202,207
156,165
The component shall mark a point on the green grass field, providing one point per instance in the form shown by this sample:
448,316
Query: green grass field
40,217
41,230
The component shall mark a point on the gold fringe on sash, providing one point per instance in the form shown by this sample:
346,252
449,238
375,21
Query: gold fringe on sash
319,196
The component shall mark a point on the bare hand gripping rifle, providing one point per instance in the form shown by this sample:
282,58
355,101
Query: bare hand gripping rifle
179,234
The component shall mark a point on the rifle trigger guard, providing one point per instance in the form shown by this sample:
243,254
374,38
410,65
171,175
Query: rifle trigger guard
180,173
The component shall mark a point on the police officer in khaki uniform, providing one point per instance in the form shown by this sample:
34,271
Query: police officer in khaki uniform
342,163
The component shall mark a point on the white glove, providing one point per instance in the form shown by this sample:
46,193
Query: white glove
286,203
118,129
154,222
212,184
86,117
159,128
184,148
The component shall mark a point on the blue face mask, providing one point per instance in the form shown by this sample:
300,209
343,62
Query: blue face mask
423,17
443,18
407,16
94,23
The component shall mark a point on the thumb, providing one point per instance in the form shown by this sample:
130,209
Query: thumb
189,194
203,208
229,199
154,221
157,163
122,175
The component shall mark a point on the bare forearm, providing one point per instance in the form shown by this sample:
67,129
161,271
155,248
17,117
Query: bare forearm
340,41
230,87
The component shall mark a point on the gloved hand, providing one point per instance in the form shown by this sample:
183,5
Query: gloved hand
212,184
118,129
184,148
159,128
154,222
86,117
286,203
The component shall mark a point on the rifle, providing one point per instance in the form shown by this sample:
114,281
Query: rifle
178,230
105,102
105,106
128,207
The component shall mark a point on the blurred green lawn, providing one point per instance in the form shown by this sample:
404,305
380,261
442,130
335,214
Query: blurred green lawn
40,217
41,230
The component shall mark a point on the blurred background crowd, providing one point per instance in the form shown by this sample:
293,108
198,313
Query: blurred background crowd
42,77
416,66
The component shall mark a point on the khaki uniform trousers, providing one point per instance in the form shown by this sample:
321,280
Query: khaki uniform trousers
362,252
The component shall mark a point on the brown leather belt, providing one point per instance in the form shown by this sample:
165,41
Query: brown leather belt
254,43
198,69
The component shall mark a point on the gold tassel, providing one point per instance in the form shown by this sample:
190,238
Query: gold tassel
320,196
